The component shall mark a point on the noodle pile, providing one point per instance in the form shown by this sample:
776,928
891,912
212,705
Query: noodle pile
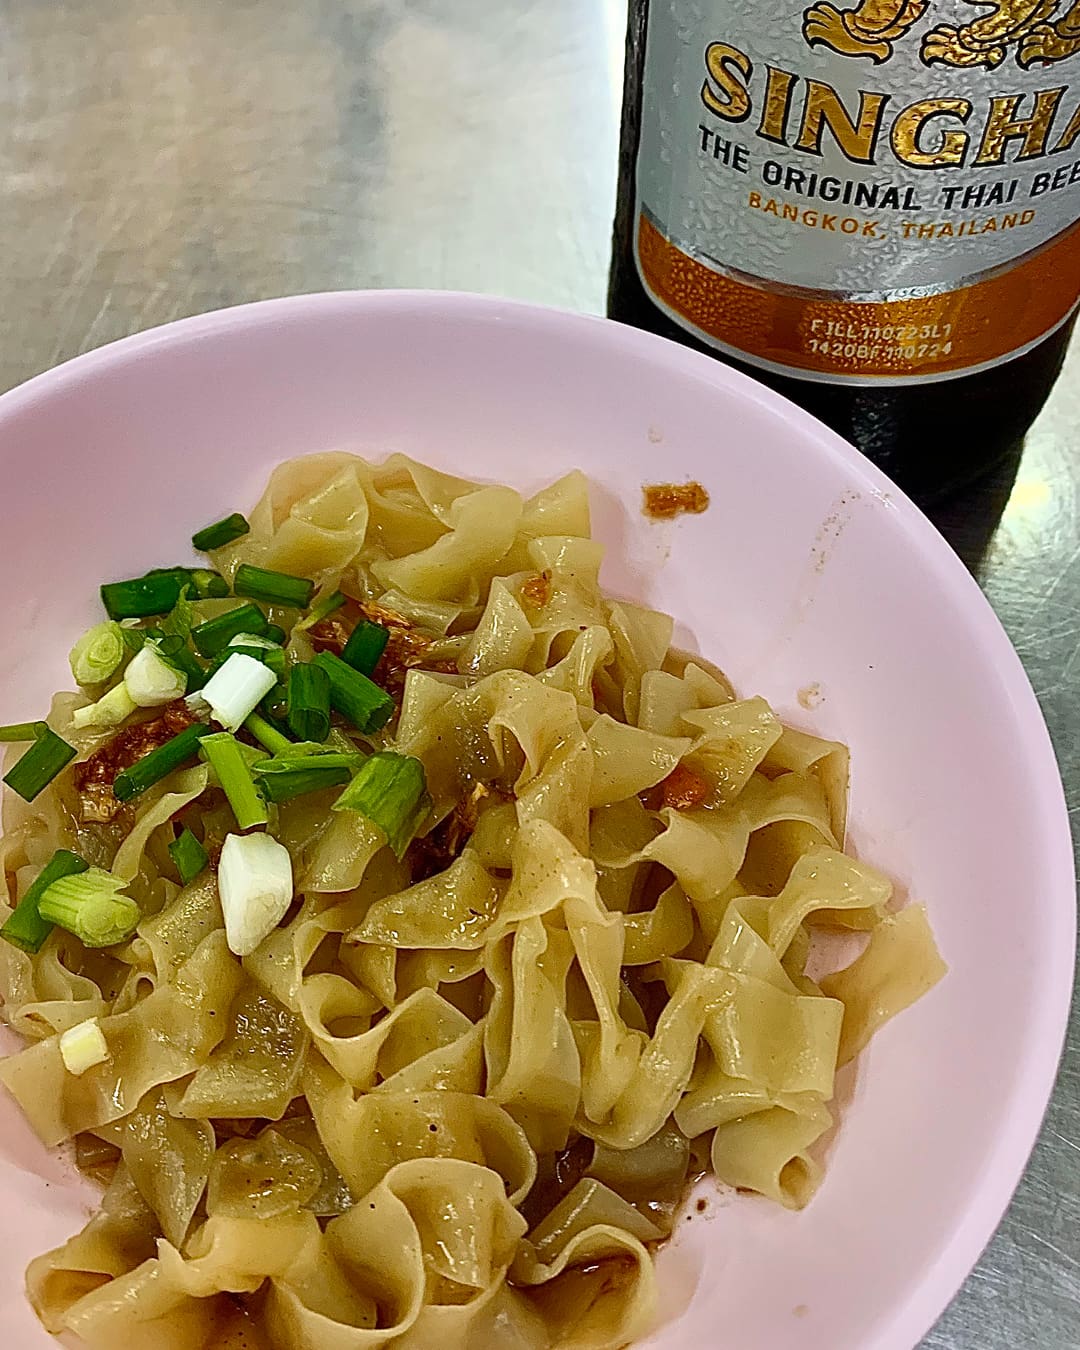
452,1101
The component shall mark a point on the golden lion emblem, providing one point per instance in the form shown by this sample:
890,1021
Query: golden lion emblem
1027,26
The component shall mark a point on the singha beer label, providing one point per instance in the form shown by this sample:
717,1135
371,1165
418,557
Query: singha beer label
886,193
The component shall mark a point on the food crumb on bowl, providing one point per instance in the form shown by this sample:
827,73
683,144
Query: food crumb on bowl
665,501
811,696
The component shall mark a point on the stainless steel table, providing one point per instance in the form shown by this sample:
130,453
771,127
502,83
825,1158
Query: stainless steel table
158,158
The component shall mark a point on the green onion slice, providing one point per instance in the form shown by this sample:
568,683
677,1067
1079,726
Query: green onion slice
391,790
23,731
288,776
308,702
35,770
353,695
175,652
215,634
227,759
180,619
89,904
322,609
189,856
140,597
208,585
274,657
25,928
98,653
267,734
366,644
159,763
275,588
219,534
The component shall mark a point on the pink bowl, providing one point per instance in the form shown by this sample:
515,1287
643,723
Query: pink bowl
810,568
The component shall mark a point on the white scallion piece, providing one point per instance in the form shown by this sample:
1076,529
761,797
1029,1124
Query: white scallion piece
255,882
109,711
82,1046
254,640
97,654
151,681
237,688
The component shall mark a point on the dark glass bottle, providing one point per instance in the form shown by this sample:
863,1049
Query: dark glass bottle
930,436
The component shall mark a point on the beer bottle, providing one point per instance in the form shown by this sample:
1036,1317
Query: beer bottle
870,205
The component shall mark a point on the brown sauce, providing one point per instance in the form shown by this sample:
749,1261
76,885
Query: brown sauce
665,501
406,647
94,777
536,590
682,789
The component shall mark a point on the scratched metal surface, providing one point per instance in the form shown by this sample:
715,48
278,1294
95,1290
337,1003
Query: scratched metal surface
158,158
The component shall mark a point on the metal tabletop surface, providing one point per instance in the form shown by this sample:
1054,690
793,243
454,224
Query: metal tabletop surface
163,157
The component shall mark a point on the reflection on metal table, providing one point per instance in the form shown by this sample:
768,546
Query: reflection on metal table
165,159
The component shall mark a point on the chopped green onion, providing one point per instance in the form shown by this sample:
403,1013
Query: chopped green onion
89,904
366,644
275,588
308,702
253,754
198,581
267,734
255,882
353,695
391,790
189,856
155,593
259,649
263,643
309,755
98,653
23,731
256,653
164,643
180,619
288,776
176,653
226,758
215,634
222,656
151,680
133,637
274,657
35,770
275,633
208,585
110,710
322,609
219,534
25,928
158,764
237,688
83,1046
